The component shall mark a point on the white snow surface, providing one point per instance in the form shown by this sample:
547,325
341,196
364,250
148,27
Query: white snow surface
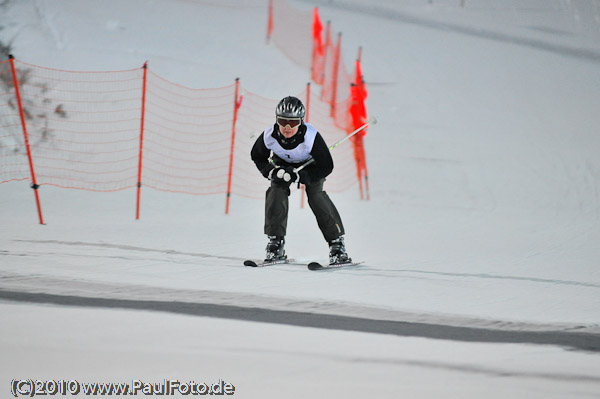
484,175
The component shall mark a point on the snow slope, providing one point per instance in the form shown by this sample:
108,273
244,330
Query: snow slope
484,210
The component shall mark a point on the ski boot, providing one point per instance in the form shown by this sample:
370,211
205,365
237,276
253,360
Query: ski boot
275,249
337,251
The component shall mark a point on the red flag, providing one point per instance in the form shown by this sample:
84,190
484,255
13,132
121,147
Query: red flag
359,95
317,31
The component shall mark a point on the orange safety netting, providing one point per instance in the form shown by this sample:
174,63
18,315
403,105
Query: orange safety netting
13,157
290,31
187,137
110,131
297,33
83,127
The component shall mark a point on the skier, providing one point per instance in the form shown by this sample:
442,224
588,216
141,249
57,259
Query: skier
280,148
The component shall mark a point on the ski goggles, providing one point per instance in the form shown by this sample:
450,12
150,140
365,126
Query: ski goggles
293,122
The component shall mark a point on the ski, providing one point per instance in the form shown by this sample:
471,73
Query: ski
311,265
252,263
318,266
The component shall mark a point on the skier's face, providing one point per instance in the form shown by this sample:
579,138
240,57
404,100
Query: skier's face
287,130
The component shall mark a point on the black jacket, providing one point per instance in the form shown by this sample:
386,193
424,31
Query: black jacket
319,169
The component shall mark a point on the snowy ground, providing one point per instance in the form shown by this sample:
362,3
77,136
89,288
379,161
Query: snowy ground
484,210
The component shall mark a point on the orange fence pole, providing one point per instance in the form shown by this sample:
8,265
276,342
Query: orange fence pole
139,182
236,105
270,21
327,48
358,112
34,184
357,144
336,66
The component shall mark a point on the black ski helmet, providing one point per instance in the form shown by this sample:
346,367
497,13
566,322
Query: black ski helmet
290,107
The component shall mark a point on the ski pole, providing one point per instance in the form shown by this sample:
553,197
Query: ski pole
371,120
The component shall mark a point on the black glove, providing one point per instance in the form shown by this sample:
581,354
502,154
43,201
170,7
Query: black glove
283,175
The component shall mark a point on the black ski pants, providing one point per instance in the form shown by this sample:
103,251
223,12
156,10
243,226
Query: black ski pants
277,207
